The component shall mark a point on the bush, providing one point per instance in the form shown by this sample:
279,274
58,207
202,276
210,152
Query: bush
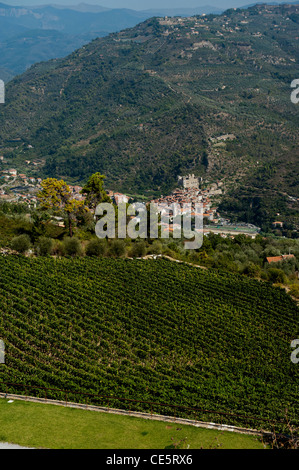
57,248
21,243
156,248
72,246
138,249
276,275
44,246
294,291
252,270
117,248
96,247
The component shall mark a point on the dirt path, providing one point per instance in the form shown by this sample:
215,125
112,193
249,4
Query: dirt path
173,259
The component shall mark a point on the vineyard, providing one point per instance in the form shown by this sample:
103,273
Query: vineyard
152,331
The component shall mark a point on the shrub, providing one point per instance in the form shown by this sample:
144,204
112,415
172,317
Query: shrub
252,270
72,246
156,248
96,247
117,248
294,291
57,248
276,275
21,243
44,246
138,249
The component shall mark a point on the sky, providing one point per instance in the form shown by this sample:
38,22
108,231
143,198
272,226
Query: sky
138,4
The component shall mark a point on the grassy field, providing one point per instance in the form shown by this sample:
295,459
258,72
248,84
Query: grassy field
50,426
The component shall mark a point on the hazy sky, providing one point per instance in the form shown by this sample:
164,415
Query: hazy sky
137,4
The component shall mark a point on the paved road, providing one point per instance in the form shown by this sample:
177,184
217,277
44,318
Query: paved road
6,445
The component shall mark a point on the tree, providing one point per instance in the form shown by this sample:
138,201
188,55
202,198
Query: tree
252,270
21,243
72,246
56,195
156,248
138,249
39,224
117,248
94,191
96,247
294,290
276,275
44,246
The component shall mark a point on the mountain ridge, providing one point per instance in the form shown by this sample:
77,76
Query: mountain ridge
78,25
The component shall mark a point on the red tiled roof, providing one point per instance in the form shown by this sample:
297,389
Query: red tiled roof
277,259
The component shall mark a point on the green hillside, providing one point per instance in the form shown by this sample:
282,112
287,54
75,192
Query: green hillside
148,104
152,331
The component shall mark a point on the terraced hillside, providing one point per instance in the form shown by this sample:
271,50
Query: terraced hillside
151,331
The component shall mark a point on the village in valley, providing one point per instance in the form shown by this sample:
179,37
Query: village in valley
192,190
18,187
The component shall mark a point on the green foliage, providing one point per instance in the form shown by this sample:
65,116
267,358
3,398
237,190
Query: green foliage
57,196
72,246
138,249
252,270
249,256
117,248
58,248
156,247
21,243
94,191
44,246
96,247
294,290
276,275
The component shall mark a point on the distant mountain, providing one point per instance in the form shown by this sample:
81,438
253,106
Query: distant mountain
71,21
21,51
83,7
5,75
27,34
9,28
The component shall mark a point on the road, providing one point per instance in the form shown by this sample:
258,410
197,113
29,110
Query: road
6,445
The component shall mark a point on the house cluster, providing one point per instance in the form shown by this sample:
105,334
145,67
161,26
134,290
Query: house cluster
195,25
118,198
6,174
13,173
18,187
76,192
189,192
34,163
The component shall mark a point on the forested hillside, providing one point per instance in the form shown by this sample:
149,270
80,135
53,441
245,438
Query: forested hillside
209,95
